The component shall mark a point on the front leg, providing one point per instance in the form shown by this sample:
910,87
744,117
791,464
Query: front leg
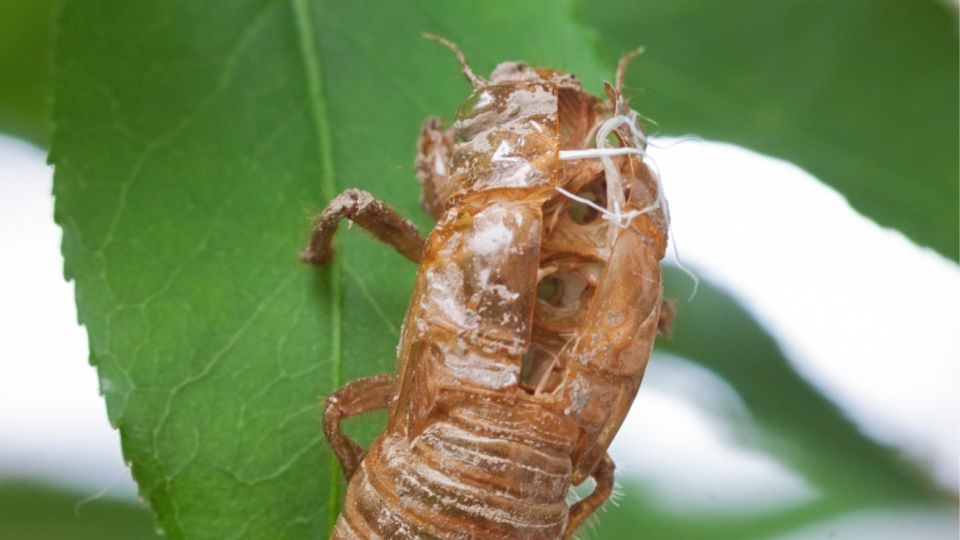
434,150
361,208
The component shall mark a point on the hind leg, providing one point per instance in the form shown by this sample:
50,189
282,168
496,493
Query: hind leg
586,507
351,399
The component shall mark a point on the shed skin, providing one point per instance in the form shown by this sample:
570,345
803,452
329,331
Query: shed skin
504,399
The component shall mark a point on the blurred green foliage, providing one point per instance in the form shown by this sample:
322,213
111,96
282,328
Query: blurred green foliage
192,140
863,94
36,512
26,32
798,425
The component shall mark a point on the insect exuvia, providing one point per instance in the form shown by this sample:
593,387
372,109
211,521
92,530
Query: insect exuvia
534,312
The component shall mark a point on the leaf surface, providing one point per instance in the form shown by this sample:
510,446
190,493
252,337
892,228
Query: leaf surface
192,143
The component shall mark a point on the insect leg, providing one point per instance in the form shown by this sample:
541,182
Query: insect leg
357,397
582,510
361,208
667,311
434,150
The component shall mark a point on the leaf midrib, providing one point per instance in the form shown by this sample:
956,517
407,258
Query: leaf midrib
309,51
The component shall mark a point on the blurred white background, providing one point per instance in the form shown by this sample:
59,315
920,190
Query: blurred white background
870,318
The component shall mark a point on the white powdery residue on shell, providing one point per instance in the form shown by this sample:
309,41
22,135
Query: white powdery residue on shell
521,176
538,102
439,165
502,154
481,459
491,239
483,277
516,350
486,374
508,319
580,396
485,99
478,146
522,126
444,290
614,317
503,292
471,500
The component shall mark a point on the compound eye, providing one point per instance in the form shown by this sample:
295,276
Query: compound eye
479,102
507,71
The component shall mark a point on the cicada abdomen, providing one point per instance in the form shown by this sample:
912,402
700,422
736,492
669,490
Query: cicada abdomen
531,322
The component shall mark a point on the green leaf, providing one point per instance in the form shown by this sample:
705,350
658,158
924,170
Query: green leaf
863,94
192,141
25,36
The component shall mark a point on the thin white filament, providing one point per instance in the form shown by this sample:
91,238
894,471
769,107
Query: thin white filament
101,493
596,152
620,219
615,186
689,138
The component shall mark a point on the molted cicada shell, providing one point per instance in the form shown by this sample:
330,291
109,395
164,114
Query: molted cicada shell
531,323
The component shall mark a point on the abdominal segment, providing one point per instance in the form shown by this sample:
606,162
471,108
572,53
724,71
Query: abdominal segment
477,474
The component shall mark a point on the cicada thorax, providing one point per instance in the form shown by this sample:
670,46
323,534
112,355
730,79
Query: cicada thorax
469,324
529,327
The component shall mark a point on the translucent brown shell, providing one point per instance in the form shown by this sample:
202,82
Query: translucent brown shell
530,325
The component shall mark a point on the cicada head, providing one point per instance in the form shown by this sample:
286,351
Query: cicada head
520,72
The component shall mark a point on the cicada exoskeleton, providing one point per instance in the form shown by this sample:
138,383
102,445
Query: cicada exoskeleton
531,322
